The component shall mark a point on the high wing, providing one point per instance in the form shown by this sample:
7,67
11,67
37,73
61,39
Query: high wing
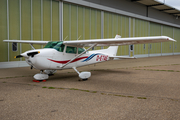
119,41
27,41
104,42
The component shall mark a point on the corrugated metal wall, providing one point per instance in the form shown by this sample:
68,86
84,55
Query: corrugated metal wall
41,20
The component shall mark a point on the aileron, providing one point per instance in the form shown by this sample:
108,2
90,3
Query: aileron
27,41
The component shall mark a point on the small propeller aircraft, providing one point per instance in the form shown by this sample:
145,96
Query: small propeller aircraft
61,55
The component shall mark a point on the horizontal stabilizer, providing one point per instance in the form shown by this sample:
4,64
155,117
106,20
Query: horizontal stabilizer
122,57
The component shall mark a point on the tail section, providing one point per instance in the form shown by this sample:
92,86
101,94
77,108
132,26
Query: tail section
117,36
112,50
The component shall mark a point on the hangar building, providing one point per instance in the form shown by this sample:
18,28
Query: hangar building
55,20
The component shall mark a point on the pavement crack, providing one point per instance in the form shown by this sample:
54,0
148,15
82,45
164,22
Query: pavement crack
102,92
54,110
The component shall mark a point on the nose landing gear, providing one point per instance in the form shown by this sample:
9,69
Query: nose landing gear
43,75
40,77
39,81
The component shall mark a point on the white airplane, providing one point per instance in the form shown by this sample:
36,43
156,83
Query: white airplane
61,55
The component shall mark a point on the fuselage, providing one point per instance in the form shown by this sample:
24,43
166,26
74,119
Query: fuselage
54,59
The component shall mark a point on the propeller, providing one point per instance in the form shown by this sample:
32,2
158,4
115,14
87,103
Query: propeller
28,54
18,56
33,53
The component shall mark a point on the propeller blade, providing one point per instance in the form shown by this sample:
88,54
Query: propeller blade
28,54
18,56
33,53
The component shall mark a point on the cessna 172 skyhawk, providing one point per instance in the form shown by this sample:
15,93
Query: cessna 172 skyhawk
61,55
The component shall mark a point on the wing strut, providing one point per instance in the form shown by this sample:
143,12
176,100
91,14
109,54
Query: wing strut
32,46
79,55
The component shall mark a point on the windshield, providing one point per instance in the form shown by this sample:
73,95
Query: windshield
56,45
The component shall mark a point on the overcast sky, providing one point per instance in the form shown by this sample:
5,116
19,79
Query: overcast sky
173,3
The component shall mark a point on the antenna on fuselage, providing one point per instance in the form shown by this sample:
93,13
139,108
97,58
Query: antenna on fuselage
65,38
79,37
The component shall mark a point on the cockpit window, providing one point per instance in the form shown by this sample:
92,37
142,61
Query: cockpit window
51,44
56,45
59,47
72,50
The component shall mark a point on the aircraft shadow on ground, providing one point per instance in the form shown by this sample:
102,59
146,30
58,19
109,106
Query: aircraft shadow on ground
74,76
94,72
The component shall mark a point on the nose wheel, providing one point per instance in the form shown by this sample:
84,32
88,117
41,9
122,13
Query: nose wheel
40,77
39,81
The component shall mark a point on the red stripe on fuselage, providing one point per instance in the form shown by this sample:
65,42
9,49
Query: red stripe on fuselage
64,62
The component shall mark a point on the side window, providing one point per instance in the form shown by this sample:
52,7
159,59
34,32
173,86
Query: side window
80,50
14,46
72,50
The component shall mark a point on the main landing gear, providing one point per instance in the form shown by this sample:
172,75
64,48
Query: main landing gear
83,75
44,75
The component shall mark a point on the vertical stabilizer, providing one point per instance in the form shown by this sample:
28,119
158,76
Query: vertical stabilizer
117,36
112,50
